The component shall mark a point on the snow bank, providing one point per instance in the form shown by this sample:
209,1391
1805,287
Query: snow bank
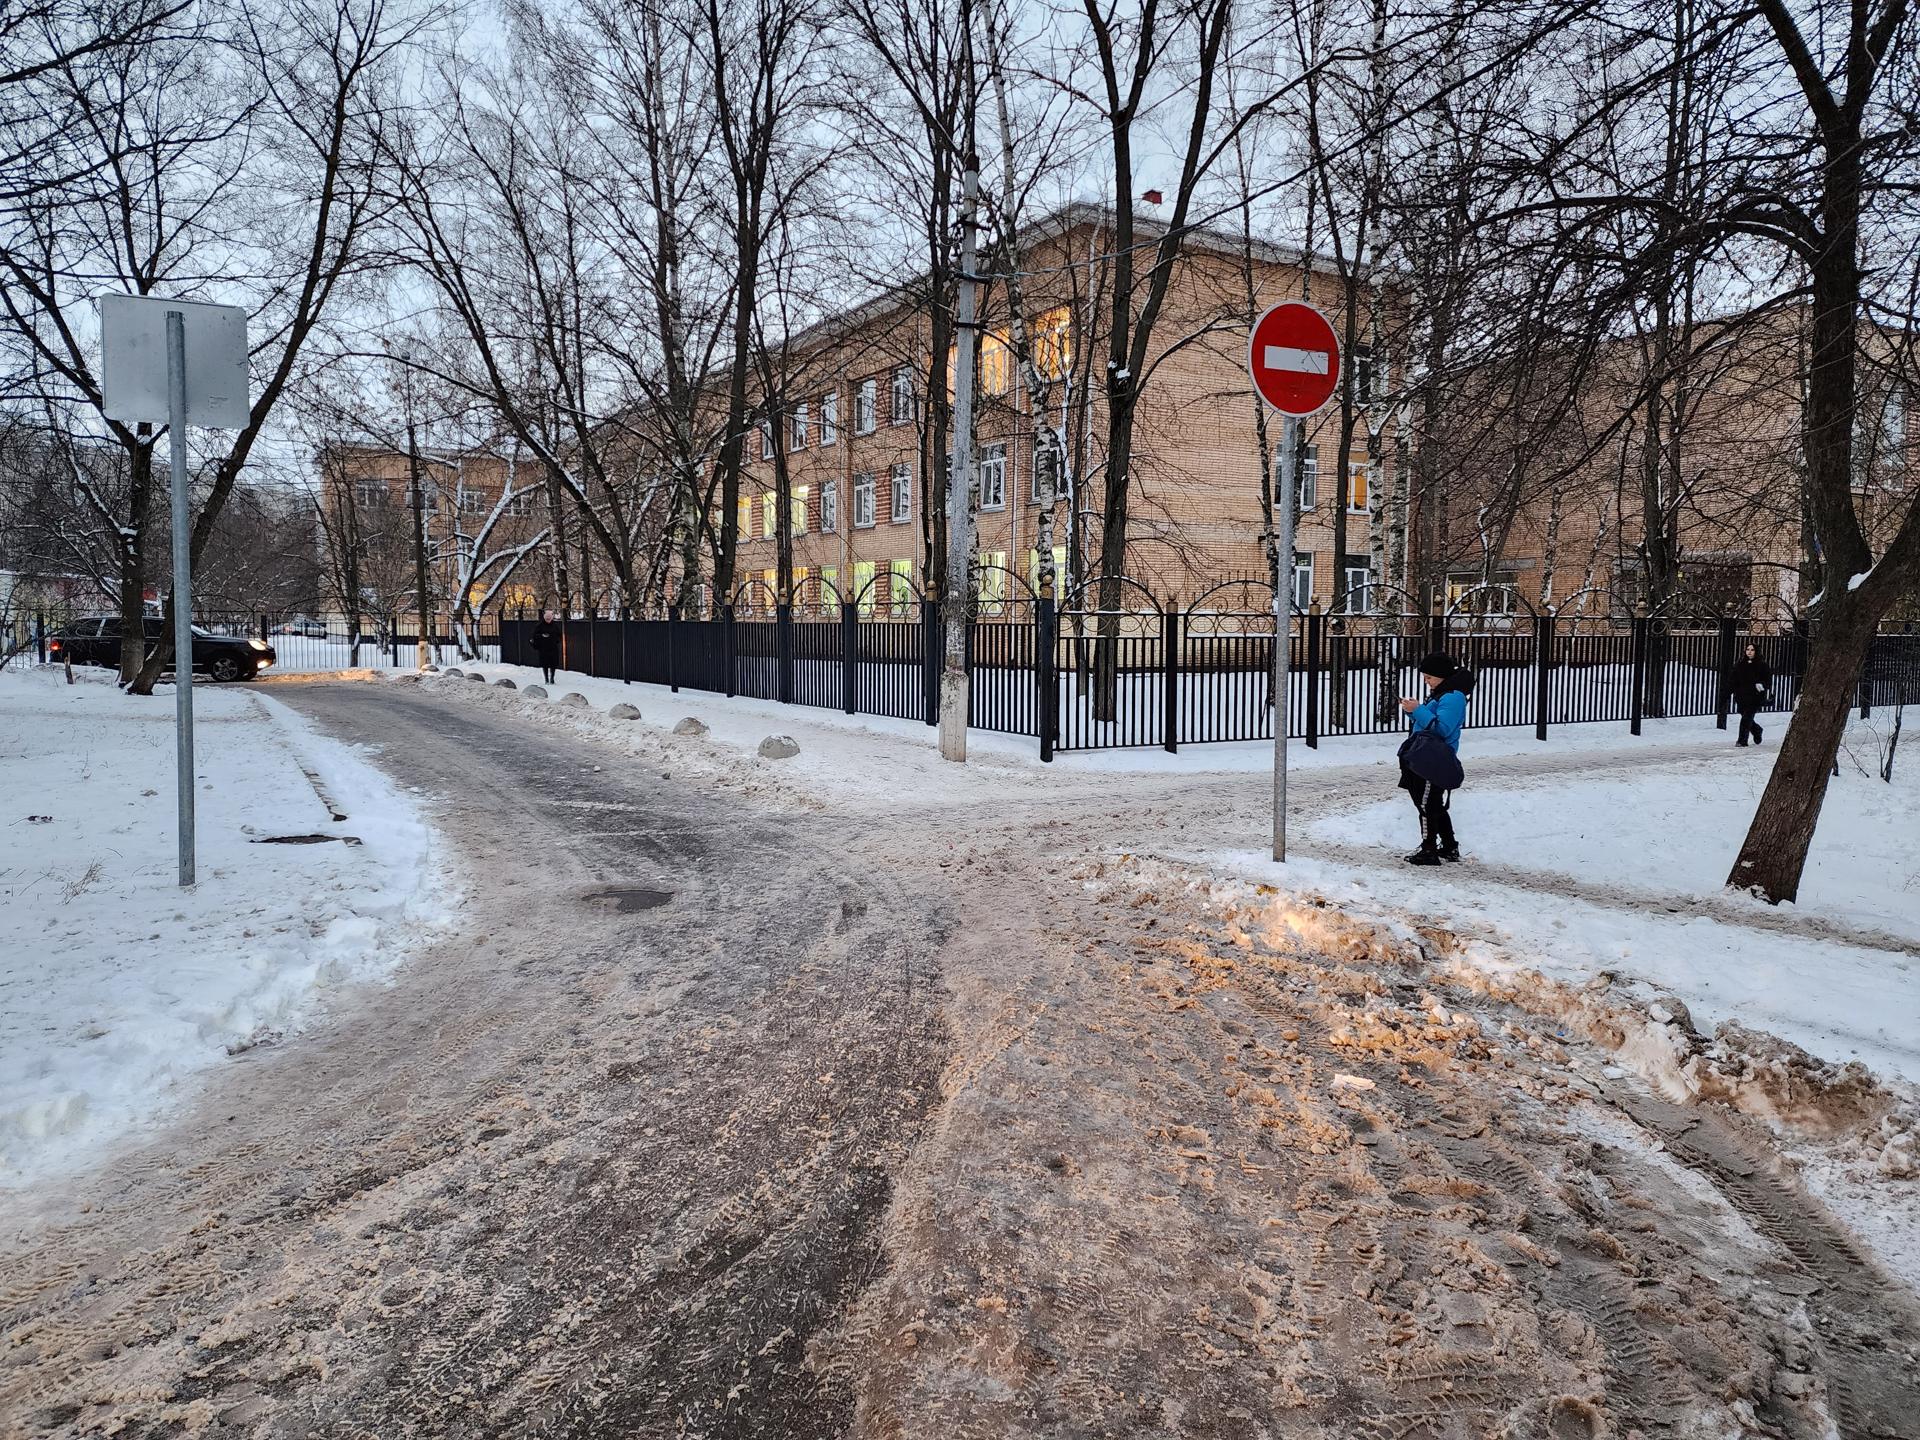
116,987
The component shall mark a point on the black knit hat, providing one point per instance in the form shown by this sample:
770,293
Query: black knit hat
1439,665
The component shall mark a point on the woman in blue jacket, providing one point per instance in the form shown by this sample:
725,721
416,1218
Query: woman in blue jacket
1445,708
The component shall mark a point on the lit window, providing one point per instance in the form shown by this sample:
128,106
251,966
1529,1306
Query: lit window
745,518
865,402
767,513
830,585
863,585
993,477
863,500
797,506
797,427
829,507
996,365
900,400
1053,343
830,417
992,581
900,480
1358,483
1059,568
900,583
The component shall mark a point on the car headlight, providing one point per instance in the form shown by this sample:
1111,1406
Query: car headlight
258,644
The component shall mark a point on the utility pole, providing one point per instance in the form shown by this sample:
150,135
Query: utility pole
419,538
960,534
1284,516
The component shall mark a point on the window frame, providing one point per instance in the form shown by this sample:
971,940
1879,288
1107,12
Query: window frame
866,406
994,454
1307,482
1303,570
864,487
1364,471
829,507
797,428
899,487
829,419
900,396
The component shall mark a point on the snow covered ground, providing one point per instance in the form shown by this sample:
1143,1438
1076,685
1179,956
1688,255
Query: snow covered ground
115,986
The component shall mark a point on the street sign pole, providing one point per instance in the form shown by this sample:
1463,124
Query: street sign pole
1286,494
182,585
181,361
1293,359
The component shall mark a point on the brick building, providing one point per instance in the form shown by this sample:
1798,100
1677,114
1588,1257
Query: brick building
858,451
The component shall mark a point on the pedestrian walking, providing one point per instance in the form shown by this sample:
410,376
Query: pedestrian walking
1748,683
1430,757
546,643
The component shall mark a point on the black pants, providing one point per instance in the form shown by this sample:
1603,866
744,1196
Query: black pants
1436,822
547,663
1748,726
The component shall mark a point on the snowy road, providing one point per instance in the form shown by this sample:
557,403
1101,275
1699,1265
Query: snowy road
736,1107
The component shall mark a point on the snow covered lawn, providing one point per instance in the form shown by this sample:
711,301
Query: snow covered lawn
115,986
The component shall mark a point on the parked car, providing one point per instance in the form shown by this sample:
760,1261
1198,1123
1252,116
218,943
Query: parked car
96,641
304,628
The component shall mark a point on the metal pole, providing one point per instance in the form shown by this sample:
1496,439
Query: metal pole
1282,630
182,586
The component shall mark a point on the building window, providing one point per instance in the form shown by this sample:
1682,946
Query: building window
370,494
863,500
1359,589
863,585
990,581
797,427
1309,466
745,518
829,506
993,477
766,439
830,417
1053,343
900,399
865,401
1493,597
1302,579
767,515
830,585
900,586
1359,485
900,481
473,502
1059,569
996,365
519,502
797,506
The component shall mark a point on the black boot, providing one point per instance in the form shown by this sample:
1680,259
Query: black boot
1450,853
1425,855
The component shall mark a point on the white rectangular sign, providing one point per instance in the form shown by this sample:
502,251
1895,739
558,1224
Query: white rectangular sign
1286,357
133,360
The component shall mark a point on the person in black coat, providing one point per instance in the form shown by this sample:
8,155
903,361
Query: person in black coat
546,643
1747,683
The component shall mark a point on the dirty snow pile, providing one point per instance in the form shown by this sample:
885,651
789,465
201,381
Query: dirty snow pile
116,987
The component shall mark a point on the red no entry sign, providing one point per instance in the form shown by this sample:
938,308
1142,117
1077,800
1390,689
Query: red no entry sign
1294,358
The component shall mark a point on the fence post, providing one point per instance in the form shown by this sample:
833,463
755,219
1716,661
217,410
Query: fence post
263,625
40,634
1639,668
1543,661
393,638
1170,665
1723,686
626,635
849,656
673,642
783,646
727,647
1315,628
1046,657
930,647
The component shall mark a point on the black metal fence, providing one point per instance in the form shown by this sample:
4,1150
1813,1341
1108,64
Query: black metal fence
1111,667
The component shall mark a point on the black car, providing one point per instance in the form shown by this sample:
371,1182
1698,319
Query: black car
96,641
